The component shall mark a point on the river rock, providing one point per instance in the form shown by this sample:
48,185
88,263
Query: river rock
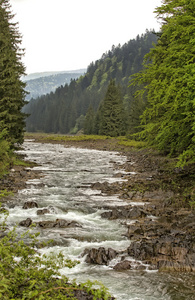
147,229
124,265
124,212
58,223
30,204
100,256
167,252
134,231
26,223
43,211
106,187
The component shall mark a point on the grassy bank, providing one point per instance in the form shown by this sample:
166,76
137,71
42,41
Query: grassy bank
92,141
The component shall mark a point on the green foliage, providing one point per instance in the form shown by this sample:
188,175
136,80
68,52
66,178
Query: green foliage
74,138
168,79
79,125
100,293
5,193
192,202
26,274
132,143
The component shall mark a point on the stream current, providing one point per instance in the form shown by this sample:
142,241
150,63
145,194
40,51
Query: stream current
65,190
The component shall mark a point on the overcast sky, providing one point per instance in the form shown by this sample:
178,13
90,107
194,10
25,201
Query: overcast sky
60,35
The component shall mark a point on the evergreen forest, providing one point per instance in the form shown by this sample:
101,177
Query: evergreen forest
69,108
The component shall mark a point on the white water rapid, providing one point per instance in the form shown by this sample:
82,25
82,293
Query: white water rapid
65,190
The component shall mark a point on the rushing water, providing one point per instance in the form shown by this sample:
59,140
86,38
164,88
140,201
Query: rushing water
65,190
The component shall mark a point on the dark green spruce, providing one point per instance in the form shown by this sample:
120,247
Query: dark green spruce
111,112
12,94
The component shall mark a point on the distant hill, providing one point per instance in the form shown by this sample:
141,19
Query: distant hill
44,74
38,84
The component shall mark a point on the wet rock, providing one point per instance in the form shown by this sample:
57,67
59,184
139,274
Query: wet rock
26,223
30,204
167,252
121,266
23,173
134,231
58,223
106,187
103,186
46,224
100,256
159,195
43,211
124,212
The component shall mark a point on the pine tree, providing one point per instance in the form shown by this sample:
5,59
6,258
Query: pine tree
112,120
89,121
169,82
12,92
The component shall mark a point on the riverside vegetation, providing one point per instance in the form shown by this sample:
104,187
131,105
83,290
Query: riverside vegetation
161,115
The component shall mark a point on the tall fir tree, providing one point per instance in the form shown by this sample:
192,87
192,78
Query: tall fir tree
112,117
89,121
12,93
169,119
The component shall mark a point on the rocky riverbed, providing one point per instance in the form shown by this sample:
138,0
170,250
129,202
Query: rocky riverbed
159,220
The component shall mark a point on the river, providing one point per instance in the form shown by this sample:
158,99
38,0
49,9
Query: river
65,191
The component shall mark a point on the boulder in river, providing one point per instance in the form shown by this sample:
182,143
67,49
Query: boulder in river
123,265
30,204
100,256
43,211
26,223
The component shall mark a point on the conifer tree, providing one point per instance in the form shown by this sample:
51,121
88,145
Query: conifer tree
89,121
112,120
169,119
12,92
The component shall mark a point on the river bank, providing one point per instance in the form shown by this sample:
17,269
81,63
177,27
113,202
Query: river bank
162,227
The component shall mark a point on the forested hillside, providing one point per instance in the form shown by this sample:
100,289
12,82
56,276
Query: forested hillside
45,84
68,108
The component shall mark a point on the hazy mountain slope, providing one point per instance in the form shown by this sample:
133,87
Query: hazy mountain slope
44,74
43,85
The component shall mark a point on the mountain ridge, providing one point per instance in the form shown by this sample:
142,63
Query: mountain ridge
36,75
46,84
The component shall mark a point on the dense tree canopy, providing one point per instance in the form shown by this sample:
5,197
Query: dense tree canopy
169,82
12,92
